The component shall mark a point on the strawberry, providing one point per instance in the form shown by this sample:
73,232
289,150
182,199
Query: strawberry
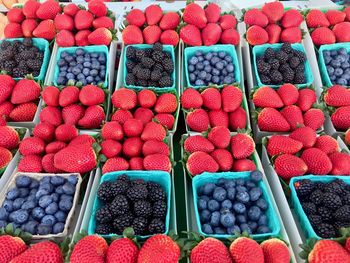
341,32
243,165
307,97
199,162
81,38
153,14
194,15
103,21
125,99
6,88
132,35
237,119
89,249
112,130
269,119
340,163
83,20
256,35
220,137
69,95
72,114
146,98
227,21
337,96
275,250
317,161
280,144
211,34
50,96
322,36
66,132
327,251
110,148
335,17
2,121
230,36
267,97
170,20
13,30
136,17
347,244
15,15
48,164
63,21
197,143
65,38
289,94
242,146
5,109
198,120
100,36
55,147
144,115
51,115
32,146
91,95
28,26
45,251
327,144
70,9
291,35
45,29
48,10
169,37
24,112
244,250
191,35
132,147
274,33
30,164
123,249
255,17
314,118
291,18
191,99
10,247
5,159
218,118
211,99
26,90
115,164
158,162
212,12
294,116
44,131
274,11
154,147
30,7
288,166
347,137
136,163
9,137
121,116
82,139
93,117
210,250
341,118
165,119
316,18
231,98
153,131
166,103
224,159
97,8
305,135
132,127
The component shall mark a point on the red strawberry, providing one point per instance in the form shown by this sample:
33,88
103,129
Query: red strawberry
212,12
115,164
166,119
146,98
13,30
93,117
317,161
340,163
327,144
65,38
51,115
267,97
103,21
242,146
6,88
153,14
136,163
237,119
305,135
69,95
15,15
66,132
256,35
9,137
347,137
91,95
230,36
275,250
314,118
341,32
291,18
136,17
100,36
294,116
125,99
132,35
10,247
224,159
220,137
211,34
341,118
291,35
307,97
166,103
197,143
228,21
48,164
70,9
326,251
97,8
44,131
48,10
335,17
316,18
274,11
63,21
72,114
231,98
243,165
50,96
199,162
198,120
122,250
194,15
83,20
121,116
337,96
32,146
6,108
81,38
191,99
191,35
211,99
218,118
322,36
55,147
144,115
210,250
2,122
289,94
26,90
169,37
288,166
154,146
347,244
170,20
244,249
132,147
254,16
159,162
111,148
153,131
30,164
269,119
279,144
274,33
82,139
46,29
91,248
24,112
30,7
133,127
28,26
112,130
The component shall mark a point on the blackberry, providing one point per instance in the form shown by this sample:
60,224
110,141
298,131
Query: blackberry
34,64
269,53
265,79
21,48
301,55
119,205
346,199
342,214
309,208
274,63
287,48
27,54
139,54
319,186
121,187
136,69
157,46
335,187
288,76
294,62
122,222
155,192
19,72
315,220
28,42
300,68
276,77
157,56
331,201
5,44
282,56
142,83
156,75
104,215
147,62
325,213
130,65
130,52
137,192
152,83
142,208
156,226
124,178
138,182
130,79
148,52
159,209
159,67
304,187
168,65
316,197
104,229
167,55
325,230
9,64
107,191
263,67
299,78
338,225
143,73
40,56
140,225
165,81
36,73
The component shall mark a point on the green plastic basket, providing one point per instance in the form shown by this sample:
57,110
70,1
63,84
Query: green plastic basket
89,49
229,49
166,48
304,221
204,178
160,177
43,45
260,50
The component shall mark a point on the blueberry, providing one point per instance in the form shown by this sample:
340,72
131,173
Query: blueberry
23,192
206,63
86,71
341,58
256,176
12,194
61,62
219,194
242,196
215,79
230,183
345,65
20,216
262,204
199,66
263,230
231,193
69,58
102,59
233,230
190,68
89,79
227,219
68,188
198,53
87,56
64,54
58,228
79,52
208,77
342,82
30,227
219,65
62,74
335,63
250,184
214,60
262,220
222,54
205,216
241,219
72,179
76,71
202,204
227,204
69,69
93,72
29,204
206,228
326,53
61,80
208,56
227,80
202,75
102,74
84,82
33,191
338,72
193,61
70,76
213,205
228,59
34,184
200,59
239,208
3,214
51,209
224,72
219,231
45,200
61,216
346,76
41,192
17,203
23,181
245,228
255,193
66,197
65,205
38,213
230,67
215,219
215,72
253,225
72,64
208,188
3,223
44,229
87,64
333,78
49,220
80,59
8,205
192,77
254,213
333,52
240,182
327,60
55,197
199,82
221,182
94,55
196,72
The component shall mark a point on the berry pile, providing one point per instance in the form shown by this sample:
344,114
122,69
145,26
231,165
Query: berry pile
39,207
208,26
329,27
74,107
285,65
151,26
214,107
210,154
18,58
9,141
81,66
327,205
233,206
209,68
131,203
75,26
144,106
319,155
287,108
338,66
150,67
272,25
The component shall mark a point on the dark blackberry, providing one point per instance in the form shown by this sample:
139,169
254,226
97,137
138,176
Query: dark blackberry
325,213
274,63
157,56
314,220
299,78
34,64
282,56
106,192
9,64
294,62
159,209
309,208
265,79
28,42
346,199
8,54
269,53
138,182
300,68
155,192
121,187
131,52
159,67
137,192
140,225
104,215
16,43
331,201
156,75
152,83
142,208
338,225
288,76
142,83
301,55
27,54
342,214
19,72
139,54
130,65
168,65
136,69
40,56
119,205
124,178
335,187
325,230
316,197
287,48
5,44
130,79
143,73
157,46
148,52
165,81
319,186
21,48
36,73
304,187
147,62
156,226
104,229
263,67
276,77
122,222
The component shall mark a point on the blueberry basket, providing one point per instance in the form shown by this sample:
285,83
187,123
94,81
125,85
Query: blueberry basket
229,49
160,177
43,45
259,51
204,178
166,48
89,49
